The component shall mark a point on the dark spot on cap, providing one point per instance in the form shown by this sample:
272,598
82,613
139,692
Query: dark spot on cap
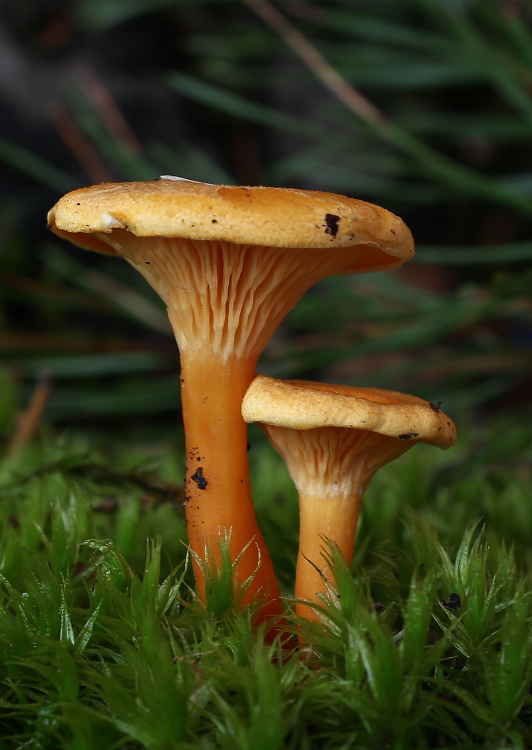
331,224
436,407
408,435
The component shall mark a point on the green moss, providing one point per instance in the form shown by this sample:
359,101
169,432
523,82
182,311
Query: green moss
103,644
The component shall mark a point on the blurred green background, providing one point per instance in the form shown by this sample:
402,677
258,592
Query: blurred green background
421,106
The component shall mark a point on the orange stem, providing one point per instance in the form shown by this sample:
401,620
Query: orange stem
218,500
322,518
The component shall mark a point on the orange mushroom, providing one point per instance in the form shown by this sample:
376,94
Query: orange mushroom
333,438
229,262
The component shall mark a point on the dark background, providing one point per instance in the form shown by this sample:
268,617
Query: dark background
421,106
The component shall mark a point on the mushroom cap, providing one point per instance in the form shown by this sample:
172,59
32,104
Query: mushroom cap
264,216
304,405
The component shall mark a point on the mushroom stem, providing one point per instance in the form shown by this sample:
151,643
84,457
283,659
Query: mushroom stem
331,468
322,518
218,500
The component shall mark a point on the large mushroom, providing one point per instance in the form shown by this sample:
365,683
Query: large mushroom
229,263
333,438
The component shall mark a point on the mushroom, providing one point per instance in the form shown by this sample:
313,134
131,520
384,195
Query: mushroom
333,438
229,263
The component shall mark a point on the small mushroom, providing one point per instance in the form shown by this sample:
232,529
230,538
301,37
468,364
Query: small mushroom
333,439
229,263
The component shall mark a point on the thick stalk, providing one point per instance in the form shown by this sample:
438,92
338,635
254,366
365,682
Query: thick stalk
322,518
217,490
